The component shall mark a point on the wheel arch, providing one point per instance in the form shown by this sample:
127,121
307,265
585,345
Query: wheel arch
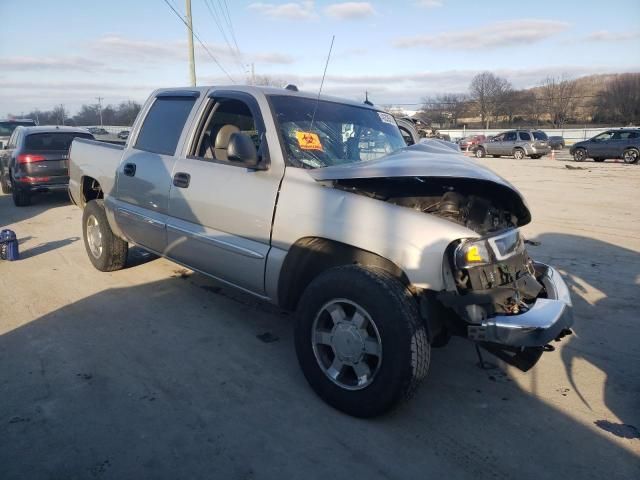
308,257
90,189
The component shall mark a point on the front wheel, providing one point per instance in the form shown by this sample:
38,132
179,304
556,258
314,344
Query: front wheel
360,341
630,156
106,251
518,154
480,153
580,155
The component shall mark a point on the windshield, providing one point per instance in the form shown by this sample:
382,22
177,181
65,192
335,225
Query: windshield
52,141
339,134
540,136
7,128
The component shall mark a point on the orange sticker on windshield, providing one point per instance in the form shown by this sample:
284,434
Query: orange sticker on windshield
308,141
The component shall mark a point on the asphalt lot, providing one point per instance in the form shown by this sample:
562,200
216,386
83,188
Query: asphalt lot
154,372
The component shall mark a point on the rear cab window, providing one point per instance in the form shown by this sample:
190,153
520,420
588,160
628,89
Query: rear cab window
58,141
163,125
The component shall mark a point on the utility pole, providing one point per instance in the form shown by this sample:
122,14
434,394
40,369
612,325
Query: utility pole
100,108
192,62
62,112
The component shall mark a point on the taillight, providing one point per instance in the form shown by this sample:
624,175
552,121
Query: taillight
28,158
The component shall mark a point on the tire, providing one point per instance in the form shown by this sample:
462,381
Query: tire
630,155
106,251
518,154
20,197
480,153
389,313
580,155
599,159
4,185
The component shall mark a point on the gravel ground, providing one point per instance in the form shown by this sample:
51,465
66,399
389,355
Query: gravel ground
155,372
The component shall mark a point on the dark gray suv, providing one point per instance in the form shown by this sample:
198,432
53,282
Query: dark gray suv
36,159
517,143
619,143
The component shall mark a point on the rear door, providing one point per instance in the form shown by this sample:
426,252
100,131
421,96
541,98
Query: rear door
510,140
220,213
493,146
144,175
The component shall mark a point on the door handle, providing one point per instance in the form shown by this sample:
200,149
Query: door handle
129,169
181,180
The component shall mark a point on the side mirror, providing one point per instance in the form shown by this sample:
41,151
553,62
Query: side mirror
242,150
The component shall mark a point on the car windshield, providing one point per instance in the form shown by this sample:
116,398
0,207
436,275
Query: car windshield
321,133
540,136
52,141
7,128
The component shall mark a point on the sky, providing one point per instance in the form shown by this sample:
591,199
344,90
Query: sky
71,51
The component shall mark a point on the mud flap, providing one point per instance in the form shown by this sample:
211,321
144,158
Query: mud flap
522,358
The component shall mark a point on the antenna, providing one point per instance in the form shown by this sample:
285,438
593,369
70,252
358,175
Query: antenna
322,82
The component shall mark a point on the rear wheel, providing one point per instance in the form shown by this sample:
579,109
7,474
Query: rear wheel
630,155
580,155
106,251
20,197
480,153
518,154
360,341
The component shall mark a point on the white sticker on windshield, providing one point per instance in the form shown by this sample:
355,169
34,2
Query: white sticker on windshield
386,118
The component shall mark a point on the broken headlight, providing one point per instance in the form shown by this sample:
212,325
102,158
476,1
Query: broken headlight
474,252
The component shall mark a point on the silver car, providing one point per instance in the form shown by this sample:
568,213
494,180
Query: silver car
516,143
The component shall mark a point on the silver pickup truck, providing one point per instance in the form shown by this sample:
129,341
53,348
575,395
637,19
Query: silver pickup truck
317,205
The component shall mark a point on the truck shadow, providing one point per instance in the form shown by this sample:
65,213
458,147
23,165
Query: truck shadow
183,377
603,279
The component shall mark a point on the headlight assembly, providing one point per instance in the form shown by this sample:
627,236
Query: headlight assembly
474,252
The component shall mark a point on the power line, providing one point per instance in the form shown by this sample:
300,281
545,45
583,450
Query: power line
214,14
200,41
231,29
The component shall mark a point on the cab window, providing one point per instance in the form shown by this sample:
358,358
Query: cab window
225,117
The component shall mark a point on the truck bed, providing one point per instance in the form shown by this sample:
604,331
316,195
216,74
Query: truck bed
98,160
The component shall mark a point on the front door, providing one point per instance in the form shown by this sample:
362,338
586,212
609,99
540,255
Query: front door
220,213
600,145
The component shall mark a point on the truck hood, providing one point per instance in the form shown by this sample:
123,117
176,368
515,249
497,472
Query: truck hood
427,161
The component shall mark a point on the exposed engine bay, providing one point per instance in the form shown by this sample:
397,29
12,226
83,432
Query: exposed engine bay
480,206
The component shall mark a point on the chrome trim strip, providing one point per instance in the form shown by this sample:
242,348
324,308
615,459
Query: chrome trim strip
139,217
218,243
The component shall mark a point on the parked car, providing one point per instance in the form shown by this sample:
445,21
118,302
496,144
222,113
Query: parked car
8,126
384,250
123,134
470,143
36,160
556,142
618,143
518,143
97,131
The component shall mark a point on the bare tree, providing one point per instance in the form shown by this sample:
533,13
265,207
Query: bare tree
267,81
489,92
445,109
620,100
559,98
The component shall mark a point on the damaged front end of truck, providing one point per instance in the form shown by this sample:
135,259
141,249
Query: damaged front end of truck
494,294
